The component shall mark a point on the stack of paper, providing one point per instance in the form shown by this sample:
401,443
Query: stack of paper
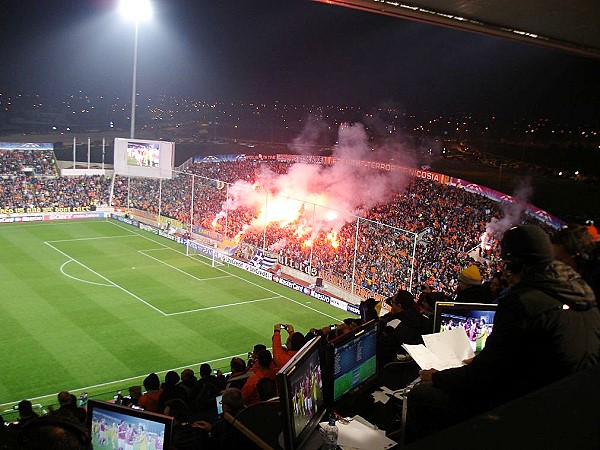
442,350
360,434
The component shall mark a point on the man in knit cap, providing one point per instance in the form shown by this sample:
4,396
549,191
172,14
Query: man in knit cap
547,327
470,288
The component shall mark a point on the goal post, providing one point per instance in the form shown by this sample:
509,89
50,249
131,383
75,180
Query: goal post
197,250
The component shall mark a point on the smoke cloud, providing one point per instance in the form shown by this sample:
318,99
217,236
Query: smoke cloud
324,197
512,212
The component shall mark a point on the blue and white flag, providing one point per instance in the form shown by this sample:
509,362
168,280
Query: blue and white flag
263,260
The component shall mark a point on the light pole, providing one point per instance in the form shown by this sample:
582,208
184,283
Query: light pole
136,10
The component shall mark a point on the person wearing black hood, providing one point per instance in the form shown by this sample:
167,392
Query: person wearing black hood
547,327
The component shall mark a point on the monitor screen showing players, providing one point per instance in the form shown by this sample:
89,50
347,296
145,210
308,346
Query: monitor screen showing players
112,426
477,319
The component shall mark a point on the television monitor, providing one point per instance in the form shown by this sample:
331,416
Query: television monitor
352,358
300,385
132,428
476,318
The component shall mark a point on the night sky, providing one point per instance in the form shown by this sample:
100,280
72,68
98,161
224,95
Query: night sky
293,51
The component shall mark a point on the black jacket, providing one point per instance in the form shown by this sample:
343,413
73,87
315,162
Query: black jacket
546,327
412,326
475,294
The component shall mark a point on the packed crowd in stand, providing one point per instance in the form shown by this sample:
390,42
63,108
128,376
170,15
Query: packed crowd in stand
448,221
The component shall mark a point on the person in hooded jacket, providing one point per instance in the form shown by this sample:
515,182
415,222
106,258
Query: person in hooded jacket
547,327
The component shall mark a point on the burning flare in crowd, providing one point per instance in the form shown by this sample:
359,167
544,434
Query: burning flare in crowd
311,199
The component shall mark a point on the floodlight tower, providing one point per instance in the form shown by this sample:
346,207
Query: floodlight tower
136,10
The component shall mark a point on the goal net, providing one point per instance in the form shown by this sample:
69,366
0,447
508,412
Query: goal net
205,253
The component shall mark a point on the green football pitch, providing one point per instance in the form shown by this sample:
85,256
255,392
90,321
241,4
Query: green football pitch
96,305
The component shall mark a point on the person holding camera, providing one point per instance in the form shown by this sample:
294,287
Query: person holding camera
262,369
294,342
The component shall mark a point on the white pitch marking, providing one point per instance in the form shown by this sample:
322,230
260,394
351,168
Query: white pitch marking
104,278
79,279
233,275
182,271
91,238
87,388
222,306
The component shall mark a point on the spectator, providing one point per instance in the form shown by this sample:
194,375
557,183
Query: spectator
470,289
427,301
150,399
184,436
368,310
267,390
262,369
547,327
239,374
253,357
188,380
223,435
575,246
495,286
68,408
404,324
204,392
26,413
54,432
294,342
171,390
133,399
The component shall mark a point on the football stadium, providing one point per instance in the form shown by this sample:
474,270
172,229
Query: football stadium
248,294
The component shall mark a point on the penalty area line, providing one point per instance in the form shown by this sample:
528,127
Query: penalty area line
143,252
222,306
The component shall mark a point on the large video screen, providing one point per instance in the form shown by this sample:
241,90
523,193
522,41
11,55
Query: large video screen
144,158
144,154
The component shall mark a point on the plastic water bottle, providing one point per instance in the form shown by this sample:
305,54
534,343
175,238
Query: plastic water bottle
330,435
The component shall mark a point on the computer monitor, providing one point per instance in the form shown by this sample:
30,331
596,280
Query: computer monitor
352,358
476,318
132,428
301,393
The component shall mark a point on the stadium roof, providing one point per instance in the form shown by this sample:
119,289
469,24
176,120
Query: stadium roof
572,25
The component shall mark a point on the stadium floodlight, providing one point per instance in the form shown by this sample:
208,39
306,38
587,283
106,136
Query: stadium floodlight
137,10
